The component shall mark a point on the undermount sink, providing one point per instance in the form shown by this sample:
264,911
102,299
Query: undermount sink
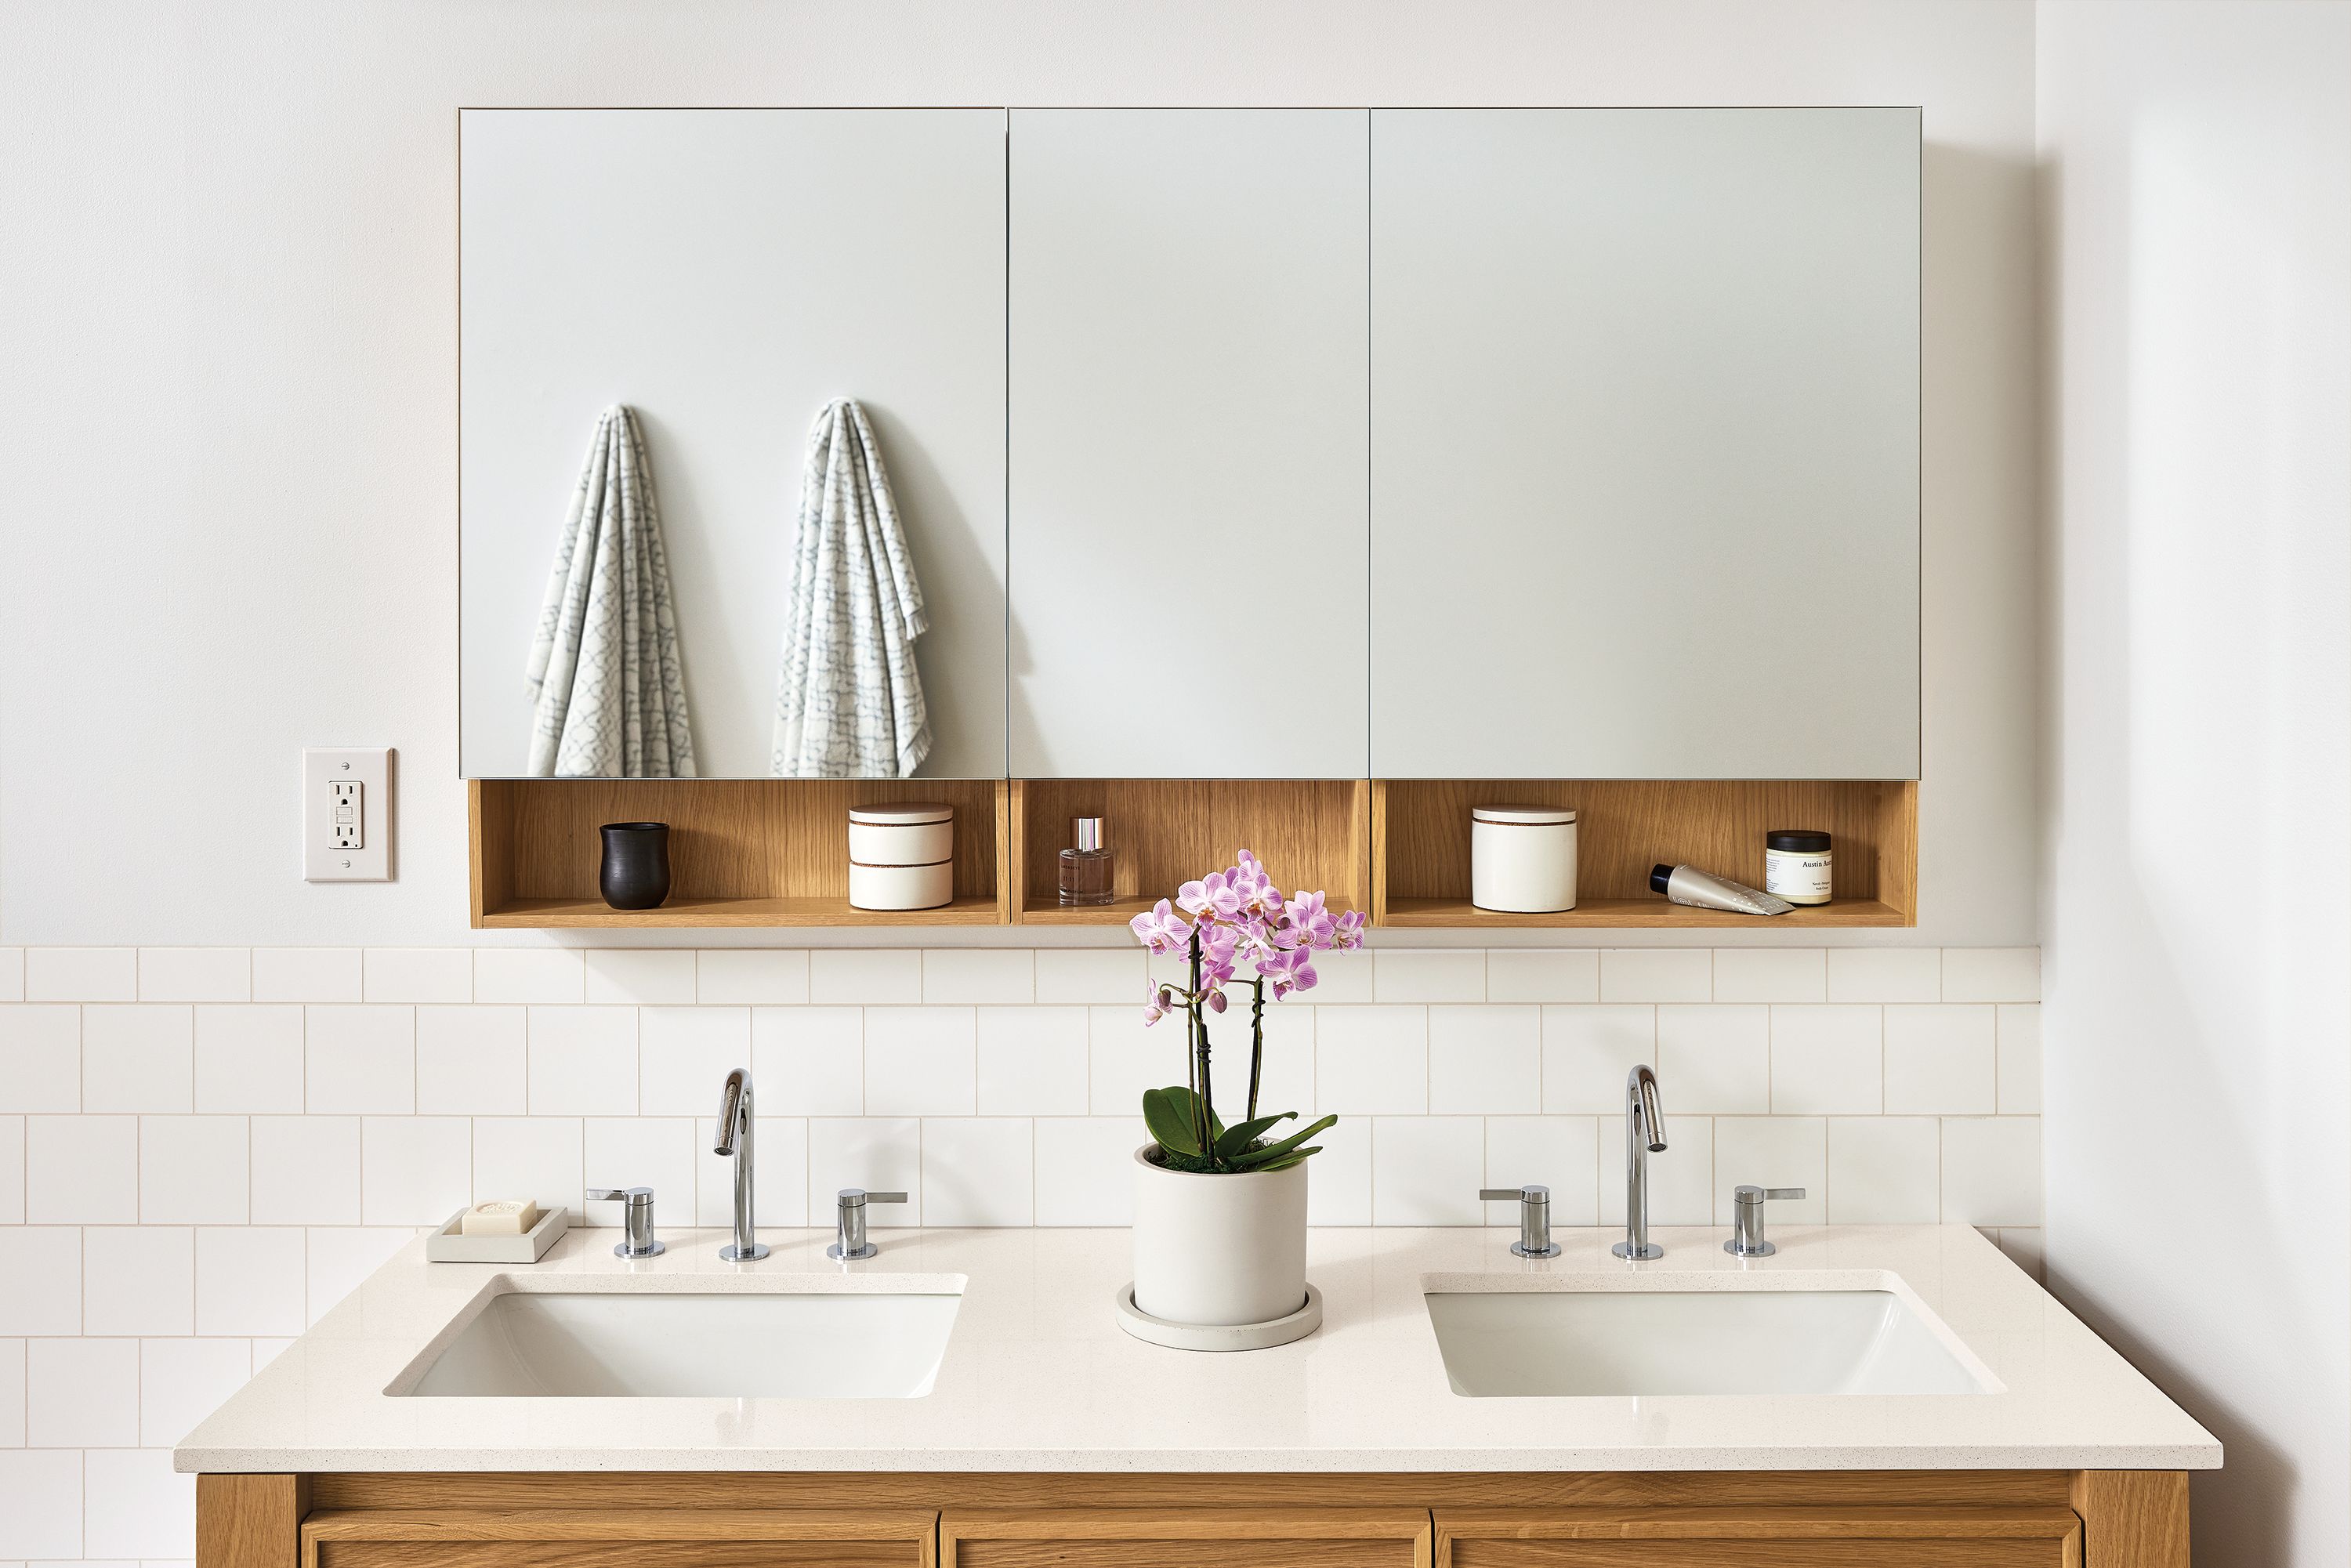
751,1345
1597,1338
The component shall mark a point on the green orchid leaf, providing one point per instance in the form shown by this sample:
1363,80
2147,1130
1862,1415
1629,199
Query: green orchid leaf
1168,1114
1257,1159
1239,1139
1297,1160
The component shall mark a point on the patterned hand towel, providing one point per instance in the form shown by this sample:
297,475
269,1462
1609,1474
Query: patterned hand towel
609,689
850,703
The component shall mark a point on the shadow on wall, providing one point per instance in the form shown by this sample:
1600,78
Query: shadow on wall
2195,1070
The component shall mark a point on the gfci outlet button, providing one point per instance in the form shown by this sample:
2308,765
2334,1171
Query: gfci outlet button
346,814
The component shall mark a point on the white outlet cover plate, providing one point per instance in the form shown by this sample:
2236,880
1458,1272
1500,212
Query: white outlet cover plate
323,768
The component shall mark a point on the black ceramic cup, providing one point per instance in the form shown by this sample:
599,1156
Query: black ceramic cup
635,874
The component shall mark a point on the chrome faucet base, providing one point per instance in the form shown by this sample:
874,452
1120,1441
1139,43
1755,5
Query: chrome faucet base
838,1255
1523,1250
650,1249
1641,1254
1746,1219
730,1253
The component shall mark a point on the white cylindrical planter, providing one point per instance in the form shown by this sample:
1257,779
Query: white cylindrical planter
1218,1249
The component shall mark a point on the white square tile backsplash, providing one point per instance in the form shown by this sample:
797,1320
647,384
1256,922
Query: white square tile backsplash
1940,1059
203,1149
1717,1058
737,975
358,1060
1828,1060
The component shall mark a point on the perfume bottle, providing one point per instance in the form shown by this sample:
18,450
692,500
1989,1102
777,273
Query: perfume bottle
1085,870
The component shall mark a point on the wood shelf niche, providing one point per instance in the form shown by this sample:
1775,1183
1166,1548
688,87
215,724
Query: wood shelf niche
1420,848
774,852
760,851
1310,833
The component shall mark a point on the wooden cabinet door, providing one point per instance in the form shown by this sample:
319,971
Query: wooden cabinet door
1185,1538
1758,1537
621,1538
1190,381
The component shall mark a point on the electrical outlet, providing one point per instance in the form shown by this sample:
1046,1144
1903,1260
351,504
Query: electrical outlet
345,831
347,814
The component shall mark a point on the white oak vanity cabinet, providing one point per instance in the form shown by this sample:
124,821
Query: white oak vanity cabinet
1929,1519
727,272
1189,445
1644,444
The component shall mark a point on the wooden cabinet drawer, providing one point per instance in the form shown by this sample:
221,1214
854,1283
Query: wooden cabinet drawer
1185,1538
1758,1537
621,1538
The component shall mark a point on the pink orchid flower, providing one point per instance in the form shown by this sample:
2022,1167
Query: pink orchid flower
1258,896
1286,972
1160,929
1219,952
1348,930
1306,923
1157,1005
1211,898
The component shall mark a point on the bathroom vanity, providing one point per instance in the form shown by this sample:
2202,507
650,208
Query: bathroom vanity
1866,1396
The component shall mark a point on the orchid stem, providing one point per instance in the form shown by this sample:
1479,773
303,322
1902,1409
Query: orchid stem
1257,1043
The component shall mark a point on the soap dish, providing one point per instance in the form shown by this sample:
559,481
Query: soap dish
447,1246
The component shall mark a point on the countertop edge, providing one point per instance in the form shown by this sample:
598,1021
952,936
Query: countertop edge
1233,1462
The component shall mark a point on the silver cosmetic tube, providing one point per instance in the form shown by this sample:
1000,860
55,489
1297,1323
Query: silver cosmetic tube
1699,890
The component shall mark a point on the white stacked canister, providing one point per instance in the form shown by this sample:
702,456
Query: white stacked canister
1522,859
901,857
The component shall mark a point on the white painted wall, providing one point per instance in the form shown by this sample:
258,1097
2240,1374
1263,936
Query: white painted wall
2196,174
230,271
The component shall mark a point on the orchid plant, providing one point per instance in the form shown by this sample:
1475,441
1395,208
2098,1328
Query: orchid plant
1228,919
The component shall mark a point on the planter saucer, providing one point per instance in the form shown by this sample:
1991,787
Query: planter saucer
1220,1336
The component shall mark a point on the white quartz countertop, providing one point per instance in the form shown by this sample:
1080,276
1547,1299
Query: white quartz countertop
1039,1376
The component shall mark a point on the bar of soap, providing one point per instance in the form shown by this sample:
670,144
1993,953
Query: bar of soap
501,1216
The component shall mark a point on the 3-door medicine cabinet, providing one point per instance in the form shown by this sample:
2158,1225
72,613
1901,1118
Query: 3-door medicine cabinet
1340,445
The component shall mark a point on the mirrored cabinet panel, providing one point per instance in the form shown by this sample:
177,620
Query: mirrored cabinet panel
664,312
1189,445
1644,444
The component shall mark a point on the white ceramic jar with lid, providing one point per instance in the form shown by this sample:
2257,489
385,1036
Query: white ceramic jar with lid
902,856
1522,859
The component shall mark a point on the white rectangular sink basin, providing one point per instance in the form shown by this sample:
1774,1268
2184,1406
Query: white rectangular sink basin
1597,1339
746,1344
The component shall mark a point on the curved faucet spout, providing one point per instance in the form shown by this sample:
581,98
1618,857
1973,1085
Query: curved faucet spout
1641,1090
734,1111
1645,1135
734,1140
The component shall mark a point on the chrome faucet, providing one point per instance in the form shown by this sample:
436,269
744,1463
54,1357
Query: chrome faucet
1746,1220
1645,1135
734,1140
1534,1218
637,1238
850,1241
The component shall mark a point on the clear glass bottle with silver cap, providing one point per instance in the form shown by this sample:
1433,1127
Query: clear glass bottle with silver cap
1086,869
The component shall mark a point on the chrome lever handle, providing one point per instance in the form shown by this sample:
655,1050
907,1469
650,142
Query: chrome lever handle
637,1238
849,1241
1534,1218
1746,1220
